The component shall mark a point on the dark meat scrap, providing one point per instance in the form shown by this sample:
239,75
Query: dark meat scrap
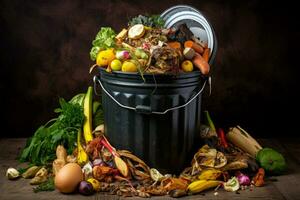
182,34
165,58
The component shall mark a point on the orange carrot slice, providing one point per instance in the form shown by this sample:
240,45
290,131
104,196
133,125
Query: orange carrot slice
174,45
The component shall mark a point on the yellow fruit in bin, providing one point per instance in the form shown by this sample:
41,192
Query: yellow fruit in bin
116,65
105,57
129,66
137,31
187,66
95,183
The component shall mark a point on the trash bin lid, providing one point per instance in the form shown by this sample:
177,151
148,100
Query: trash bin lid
195,21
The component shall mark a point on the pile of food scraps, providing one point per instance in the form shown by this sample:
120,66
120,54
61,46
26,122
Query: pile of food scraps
146,47
72,154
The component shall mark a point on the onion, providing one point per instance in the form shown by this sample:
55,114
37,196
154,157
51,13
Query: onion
12,173
243,179
122,55
85,188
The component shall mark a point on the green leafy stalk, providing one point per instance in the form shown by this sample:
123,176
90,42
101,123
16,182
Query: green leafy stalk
209,121
40,149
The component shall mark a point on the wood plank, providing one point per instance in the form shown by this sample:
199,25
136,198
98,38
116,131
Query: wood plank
284,188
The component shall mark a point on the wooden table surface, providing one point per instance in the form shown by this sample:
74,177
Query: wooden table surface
286,186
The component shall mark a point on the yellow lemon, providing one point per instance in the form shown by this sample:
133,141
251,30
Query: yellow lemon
137,31
116,65
129,66
105,57
187,66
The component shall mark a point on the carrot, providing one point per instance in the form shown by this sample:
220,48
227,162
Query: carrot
190,44
206,54
201,64
174,45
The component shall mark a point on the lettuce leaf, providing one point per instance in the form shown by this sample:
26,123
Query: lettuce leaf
104,39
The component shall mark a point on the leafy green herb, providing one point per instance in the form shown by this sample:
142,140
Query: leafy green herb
46,186
152,21
40,149
104,39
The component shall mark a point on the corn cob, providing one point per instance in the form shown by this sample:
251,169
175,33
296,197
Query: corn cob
210,174
201,185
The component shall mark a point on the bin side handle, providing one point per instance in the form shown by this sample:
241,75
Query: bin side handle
140,108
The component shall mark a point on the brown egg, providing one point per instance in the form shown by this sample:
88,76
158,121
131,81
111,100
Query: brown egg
68,178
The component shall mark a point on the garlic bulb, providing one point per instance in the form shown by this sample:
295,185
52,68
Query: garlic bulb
12,173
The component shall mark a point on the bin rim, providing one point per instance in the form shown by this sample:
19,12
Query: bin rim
180,75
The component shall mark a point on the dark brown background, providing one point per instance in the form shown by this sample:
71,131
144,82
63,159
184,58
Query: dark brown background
45,54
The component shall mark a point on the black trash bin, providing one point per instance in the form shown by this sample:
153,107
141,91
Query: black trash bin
157,119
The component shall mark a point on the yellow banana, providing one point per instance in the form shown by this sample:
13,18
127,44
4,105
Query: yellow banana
201,185
210,174
88,112
82,156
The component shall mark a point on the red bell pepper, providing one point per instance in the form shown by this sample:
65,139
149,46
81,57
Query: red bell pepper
222,138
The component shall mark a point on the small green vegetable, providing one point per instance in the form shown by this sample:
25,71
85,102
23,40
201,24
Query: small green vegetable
104,39
46,186
272,161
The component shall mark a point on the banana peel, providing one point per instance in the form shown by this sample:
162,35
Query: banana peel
88,113
82,156
209,157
